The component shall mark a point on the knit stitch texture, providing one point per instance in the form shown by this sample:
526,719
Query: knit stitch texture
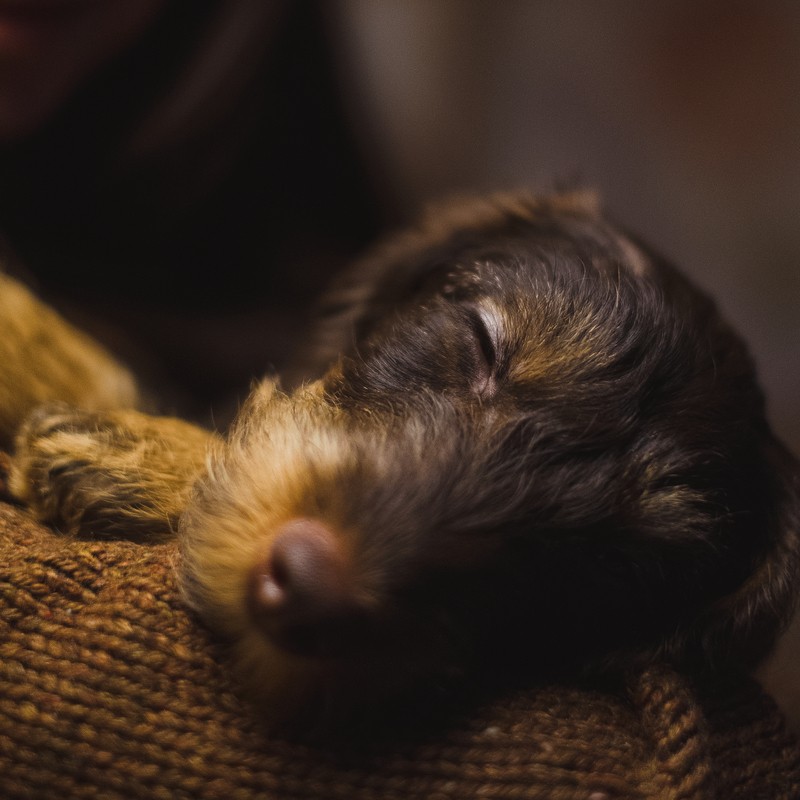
109,688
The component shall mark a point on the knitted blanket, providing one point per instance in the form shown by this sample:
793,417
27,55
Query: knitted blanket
110,689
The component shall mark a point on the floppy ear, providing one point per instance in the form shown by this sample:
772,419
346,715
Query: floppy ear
578,201
743,627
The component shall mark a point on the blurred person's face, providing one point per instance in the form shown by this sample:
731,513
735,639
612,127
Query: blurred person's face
47,47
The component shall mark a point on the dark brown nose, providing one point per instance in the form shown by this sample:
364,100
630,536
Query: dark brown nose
302,594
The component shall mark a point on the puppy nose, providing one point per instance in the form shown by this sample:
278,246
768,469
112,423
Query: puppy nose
300,593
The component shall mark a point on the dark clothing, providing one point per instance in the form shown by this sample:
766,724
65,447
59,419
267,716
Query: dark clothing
192,248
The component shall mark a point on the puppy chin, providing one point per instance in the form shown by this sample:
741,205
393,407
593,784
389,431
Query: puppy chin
287,689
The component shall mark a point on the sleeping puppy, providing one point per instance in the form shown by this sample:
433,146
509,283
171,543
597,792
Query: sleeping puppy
520,443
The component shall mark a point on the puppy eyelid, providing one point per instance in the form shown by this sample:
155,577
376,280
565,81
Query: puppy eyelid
487,329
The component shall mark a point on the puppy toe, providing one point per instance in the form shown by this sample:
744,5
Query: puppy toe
57,450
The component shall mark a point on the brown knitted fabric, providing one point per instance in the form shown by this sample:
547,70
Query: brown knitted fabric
109,689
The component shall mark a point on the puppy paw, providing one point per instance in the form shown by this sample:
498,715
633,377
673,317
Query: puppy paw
114,474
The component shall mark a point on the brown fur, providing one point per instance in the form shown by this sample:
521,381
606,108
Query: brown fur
529,445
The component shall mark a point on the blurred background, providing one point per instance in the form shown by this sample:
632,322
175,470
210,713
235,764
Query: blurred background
188,184
685,114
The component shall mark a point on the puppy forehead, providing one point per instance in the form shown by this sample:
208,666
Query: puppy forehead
526,263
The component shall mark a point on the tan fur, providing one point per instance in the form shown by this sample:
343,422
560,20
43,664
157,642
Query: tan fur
288,457
45,359
104,469
256,480
119,473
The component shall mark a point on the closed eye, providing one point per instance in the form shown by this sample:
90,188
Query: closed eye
486,329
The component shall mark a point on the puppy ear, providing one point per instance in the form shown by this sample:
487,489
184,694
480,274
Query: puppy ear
578,201
743,627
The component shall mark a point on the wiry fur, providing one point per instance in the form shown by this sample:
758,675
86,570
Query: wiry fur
538,447
116,473
45,359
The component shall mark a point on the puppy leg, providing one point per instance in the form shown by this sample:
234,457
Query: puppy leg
113,474
45,359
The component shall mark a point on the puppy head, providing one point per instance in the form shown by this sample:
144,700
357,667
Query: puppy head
545,449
